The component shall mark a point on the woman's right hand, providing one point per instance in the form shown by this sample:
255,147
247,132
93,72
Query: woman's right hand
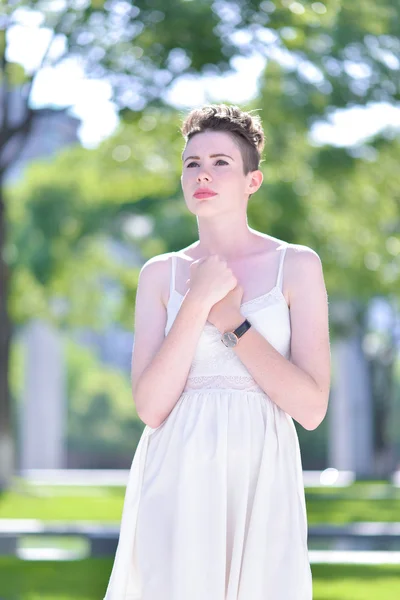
211,279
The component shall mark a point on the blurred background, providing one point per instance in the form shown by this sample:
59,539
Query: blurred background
92,94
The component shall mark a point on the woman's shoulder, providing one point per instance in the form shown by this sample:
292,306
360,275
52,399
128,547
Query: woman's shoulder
157,264
156,272
300,261
303,270
300,254
274,243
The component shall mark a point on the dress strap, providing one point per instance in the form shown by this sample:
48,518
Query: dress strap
173,271
279,278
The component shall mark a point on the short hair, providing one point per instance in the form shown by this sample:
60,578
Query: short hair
245,129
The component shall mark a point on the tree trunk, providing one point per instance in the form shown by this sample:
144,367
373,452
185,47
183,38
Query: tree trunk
7,452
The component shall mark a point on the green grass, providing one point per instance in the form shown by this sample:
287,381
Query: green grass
87,580
355,582
71,503
371,490
51,580
62,503
348,511
362,501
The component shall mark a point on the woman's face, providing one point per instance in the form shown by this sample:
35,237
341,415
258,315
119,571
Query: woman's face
223,174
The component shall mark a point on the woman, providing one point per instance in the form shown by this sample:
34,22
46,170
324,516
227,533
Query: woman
231,345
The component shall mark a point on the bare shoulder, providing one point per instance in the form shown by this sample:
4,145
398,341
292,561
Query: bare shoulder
154,275
304,272
156,264
301,256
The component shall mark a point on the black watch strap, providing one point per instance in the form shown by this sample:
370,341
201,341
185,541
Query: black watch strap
239,331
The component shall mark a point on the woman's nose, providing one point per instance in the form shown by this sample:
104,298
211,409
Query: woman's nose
203,175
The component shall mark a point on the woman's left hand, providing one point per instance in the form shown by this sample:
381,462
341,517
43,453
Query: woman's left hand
227,311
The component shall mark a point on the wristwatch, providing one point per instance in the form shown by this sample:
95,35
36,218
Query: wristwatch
231,338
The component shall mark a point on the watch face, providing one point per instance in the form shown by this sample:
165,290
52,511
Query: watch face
229,339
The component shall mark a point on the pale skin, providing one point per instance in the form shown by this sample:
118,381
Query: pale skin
216,275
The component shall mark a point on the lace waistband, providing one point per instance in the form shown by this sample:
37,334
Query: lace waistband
221,383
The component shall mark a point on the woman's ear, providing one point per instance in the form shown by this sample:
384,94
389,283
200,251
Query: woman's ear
255,181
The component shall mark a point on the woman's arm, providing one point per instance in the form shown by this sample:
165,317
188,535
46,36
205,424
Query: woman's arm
300,386
160,365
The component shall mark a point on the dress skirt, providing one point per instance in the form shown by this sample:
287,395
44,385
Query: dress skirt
215,506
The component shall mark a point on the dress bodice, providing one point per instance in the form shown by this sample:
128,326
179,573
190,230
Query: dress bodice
214,365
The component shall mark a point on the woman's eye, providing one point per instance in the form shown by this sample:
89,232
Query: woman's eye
219,160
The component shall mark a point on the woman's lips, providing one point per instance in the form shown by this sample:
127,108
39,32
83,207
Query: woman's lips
201,195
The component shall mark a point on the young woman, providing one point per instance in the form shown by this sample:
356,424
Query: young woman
231,345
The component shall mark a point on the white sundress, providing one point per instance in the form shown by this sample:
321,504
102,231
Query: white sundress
214,507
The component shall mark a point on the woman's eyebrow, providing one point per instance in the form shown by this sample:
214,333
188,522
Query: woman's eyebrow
211,156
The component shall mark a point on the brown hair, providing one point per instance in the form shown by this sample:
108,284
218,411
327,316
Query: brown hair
246,129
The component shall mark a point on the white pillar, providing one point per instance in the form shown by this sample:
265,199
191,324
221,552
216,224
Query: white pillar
43,407
351,411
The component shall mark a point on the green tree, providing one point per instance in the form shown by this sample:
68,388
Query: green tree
336,54
140,47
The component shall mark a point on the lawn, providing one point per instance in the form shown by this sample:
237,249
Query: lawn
359,502
87,580
62,503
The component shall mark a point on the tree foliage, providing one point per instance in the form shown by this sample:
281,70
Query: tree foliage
320,56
